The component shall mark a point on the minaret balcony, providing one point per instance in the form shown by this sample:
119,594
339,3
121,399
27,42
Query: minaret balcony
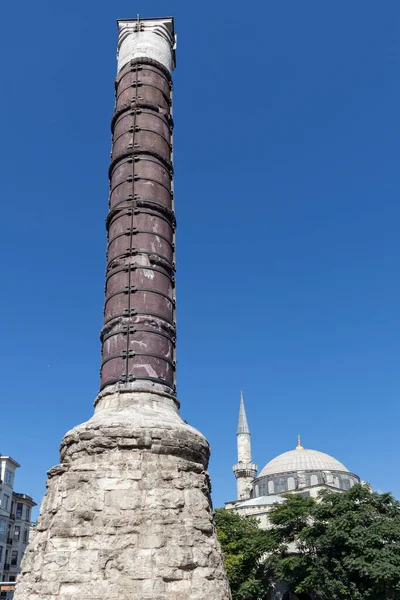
242,469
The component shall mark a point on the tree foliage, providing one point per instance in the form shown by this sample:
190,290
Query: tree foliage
244,546
345,546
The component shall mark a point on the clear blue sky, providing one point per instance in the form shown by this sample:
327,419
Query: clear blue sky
287,186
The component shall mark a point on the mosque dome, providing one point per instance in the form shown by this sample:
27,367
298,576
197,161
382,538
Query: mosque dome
302,469
302,459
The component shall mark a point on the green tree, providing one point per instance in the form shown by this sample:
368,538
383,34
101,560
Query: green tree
244,546
346,546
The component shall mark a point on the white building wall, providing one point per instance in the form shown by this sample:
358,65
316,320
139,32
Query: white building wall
13,525
8,467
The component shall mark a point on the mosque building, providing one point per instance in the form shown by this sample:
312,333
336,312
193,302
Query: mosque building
298,471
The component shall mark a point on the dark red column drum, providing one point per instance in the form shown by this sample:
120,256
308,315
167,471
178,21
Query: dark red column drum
138,335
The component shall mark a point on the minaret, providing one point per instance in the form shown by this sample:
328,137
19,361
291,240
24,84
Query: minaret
127,512
245,470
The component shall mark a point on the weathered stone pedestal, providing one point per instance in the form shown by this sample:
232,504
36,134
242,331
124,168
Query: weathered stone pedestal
127,512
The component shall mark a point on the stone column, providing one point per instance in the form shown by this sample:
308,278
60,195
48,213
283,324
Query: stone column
127,512
139,318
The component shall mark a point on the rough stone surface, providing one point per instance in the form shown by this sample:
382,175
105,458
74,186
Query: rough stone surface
127,512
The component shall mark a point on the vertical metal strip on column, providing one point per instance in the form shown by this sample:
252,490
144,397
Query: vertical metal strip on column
173,210
131,221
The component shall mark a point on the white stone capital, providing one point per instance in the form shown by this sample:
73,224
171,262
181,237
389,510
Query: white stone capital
150,38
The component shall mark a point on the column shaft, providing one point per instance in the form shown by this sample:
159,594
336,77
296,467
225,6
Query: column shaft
138,335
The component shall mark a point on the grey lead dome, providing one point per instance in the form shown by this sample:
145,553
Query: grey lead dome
302,460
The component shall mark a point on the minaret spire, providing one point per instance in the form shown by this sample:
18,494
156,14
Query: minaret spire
245,470
243,426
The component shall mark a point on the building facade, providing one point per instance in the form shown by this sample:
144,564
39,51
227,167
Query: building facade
15,524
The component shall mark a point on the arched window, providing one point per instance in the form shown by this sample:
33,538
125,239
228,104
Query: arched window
291,484
314,480
271,487
280,484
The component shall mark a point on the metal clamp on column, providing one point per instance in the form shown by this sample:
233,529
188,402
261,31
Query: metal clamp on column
132,354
